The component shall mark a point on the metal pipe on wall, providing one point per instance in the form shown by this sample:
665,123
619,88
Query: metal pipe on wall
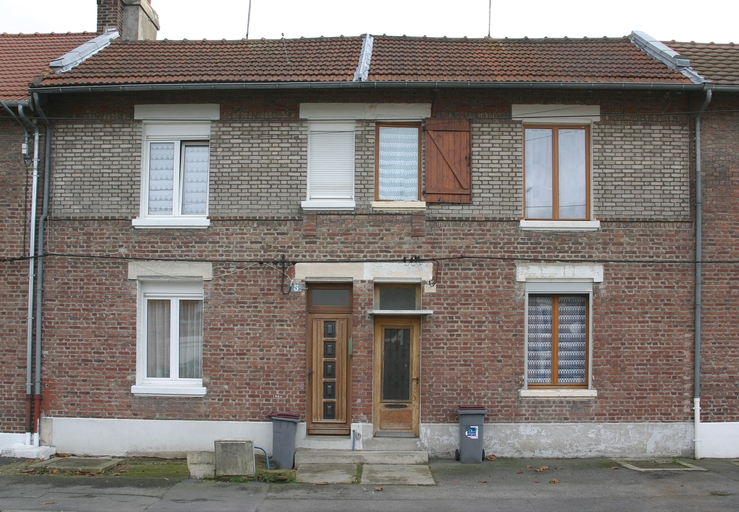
30,439
38,392
698,275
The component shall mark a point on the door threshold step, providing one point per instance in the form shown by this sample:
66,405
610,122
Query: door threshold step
402,435
408,457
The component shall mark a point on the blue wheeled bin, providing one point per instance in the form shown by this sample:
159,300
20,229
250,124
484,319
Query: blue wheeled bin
284,426
471,434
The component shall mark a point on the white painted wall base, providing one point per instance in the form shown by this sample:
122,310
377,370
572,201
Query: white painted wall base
84,436
569,440
7,440
719,440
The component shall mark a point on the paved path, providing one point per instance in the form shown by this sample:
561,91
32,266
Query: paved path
502,485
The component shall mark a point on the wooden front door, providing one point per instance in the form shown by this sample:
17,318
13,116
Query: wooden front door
329,368
396,388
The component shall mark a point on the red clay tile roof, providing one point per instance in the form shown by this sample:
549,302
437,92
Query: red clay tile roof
718,63
394,59
516,60
23,57
257,60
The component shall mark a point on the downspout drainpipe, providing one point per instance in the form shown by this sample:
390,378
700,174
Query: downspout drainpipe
698,274
31,275
12,115
28,421
38,394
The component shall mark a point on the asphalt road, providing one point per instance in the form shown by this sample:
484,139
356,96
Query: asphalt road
502,485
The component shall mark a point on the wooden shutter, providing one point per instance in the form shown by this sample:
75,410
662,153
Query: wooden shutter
448,169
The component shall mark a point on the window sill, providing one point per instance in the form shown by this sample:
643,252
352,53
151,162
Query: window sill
558,393
165,390
399,205
173,222
328,205
560,225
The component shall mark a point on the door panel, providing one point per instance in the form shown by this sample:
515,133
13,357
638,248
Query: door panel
328,374
396,375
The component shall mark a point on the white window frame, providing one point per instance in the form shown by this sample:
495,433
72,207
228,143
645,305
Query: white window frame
181,135
175,290
561,115
322,198
349,113
178,124
559,279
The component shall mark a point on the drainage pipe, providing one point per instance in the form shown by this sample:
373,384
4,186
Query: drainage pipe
31,275
28,421
698,274
266,456
37,392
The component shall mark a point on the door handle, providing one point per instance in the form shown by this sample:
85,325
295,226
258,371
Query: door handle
309,377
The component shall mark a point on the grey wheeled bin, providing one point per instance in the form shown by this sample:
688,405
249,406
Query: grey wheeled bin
471,431
284,426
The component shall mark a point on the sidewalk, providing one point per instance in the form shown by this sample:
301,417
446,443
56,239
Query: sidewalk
505,484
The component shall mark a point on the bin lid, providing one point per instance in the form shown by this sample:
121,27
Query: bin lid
471,409
284,415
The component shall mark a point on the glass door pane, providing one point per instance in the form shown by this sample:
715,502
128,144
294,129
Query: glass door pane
396,365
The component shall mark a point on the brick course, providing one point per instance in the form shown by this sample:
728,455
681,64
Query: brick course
472,346
15,214
720,344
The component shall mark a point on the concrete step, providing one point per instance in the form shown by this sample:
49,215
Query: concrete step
389,444
372,474
408,457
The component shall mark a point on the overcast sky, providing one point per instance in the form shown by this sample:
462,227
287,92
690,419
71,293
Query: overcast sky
681,20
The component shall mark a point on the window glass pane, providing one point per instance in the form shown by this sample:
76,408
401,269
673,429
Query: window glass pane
195,160
571,339
539,369
157,338
572,174
331,165
161,177
398,164
538,173
398,298
324,297
396,365
191,339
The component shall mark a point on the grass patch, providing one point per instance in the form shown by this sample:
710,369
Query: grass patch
172,469
138,467
276,475
358,474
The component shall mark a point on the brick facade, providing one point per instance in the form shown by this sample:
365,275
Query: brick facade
15,182
720,346
472,344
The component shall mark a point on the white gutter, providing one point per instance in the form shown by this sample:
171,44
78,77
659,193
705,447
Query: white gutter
698,276
83,52
664,54
31,274
365,58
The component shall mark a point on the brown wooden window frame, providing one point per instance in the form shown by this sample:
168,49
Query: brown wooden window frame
554,355
556,128
419,179
311,287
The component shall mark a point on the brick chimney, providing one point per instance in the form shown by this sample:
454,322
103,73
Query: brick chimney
133,19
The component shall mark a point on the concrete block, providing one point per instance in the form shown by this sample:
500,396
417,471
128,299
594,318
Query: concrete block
24,451
201,464
235,457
